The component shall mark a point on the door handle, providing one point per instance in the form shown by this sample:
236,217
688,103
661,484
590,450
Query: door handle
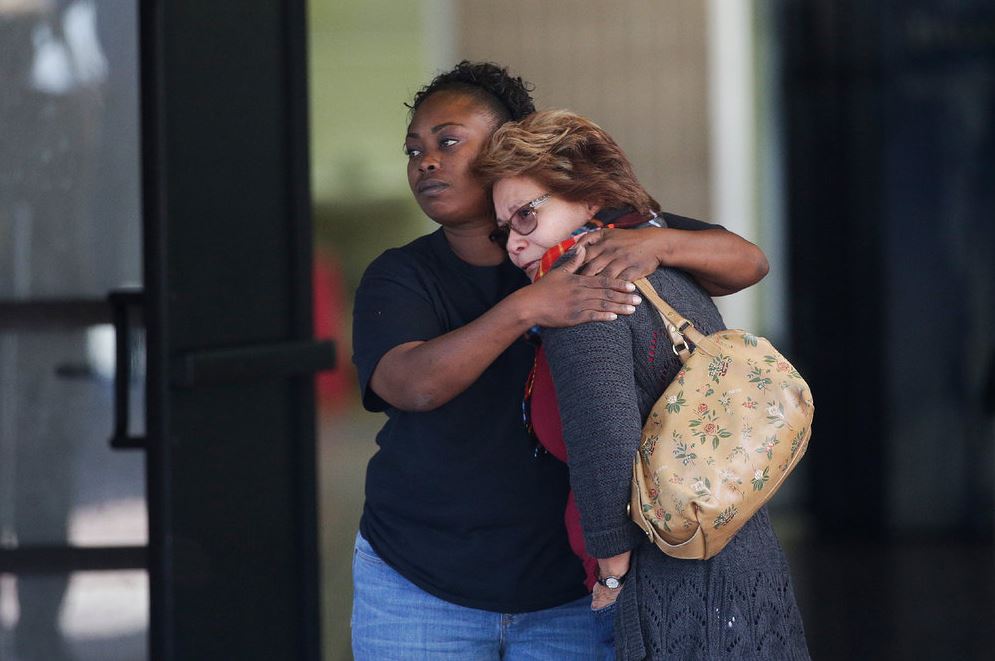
121,302
253,362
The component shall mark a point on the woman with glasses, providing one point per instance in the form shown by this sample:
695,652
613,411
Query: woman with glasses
462,551
557,176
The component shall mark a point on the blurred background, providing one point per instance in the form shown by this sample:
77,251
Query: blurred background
853,141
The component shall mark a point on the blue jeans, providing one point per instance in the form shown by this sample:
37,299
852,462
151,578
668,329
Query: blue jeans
395,619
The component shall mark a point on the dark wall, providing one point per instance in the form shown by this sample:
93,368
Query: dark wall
890,133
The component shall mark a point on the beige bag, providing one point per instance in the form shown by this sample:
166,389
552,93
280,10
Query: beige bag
719,441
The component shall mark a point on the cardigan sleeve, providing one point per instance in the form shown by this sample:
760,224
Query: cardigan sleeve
593,372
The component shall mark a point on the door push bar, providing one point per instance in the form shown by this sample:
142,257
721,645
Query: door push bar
206,367
272,360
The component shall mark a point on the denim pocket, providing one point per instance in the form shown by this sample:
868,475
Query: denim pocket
604,630
363,551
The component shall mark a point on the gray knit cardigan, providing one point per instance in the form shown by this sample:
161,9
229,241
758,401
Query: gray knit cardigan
737,605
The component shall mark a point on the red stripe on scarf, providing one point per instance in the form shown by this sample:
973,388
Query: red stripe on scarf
550,256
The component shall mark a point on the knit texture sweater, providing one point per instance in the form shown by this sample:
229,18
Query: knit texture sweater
739,604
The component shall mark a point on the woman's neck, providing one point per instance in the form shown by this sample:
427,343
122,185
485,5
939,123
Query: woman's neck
473,245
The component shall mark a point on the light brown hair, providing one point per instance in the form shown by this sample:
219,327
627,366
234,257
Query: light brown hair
570,155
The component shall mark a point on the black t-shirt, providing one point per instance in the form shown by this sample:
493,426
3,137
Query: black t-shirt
456,499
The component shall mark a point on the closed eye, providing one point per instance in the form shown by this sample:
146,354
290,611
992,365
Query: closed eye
500,235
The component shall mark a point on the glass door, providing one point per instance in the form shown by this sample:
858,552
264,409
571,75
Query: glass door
163,223
73,515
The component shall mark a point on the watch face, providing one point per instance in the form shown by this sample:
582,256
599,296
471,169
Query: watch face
612,583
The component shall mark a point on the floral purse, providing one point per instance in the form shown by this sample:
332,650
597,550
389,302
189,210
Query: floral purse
719,441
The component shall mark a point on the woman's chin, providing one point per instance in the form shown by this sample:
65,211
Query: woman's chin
435,212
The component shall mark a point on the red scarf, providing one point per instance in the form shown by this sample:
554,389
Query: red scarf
557,251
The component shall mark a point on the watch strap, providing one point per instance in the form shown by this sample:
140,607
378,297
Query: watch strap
617,580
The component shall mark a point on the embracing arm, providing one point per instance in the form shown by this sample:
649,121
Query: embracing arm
721,261
423,375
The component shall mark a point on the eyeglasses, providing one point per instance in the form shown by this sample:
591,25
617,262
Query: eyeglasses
524,221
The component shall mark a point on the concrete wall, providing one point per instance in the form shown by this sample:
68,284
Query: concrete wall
637,68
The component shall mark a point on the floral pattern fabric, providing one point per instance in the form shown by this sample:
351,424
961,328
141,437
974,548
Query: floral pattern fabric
719,441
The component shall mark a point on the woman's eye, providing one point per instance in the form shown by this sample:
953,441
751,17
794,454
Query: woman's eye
412,152
448,142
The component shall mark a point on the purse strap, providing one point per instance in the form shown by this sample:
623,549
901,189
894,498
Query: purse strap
678,327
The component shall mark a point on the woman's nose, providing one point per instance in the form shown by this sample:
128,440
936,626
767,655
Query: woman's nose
516,243
428,163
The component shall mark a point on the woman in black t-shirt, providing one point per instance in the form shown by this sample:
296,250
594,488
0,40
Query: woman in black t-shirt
462,549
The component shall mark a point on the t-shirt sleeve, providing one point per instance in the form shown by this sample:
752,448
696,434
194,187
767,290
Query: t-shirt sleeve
684,223
393,306
593,372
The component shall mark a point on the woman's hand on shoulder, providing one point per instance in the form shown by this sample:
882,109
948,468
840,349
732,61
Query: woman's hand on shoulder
625,254
722,262
565,298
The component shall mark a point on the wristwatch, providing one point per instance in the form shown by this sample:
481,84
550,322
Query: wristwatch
612,582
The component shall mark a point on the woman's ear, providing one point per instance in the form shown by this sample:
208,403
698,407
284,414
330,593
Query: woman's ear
593,208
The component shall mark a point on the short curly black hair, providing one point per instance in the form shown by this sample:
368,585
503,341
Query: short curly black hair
508,97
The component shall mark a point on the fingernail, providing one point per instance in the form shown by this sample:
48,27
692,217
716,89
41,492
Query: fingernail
630,308
612,316
636,300
630,287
